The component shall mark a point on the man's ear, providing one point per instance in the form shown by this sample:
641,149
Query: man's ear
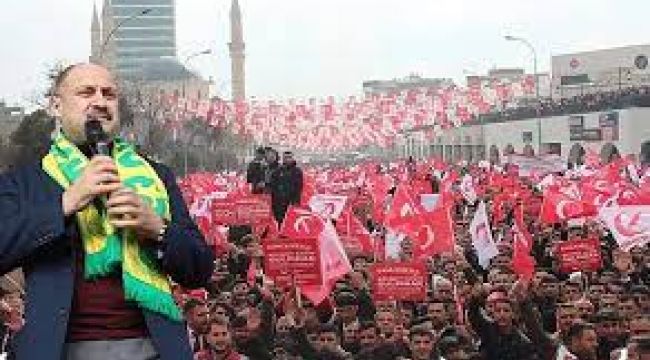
54,107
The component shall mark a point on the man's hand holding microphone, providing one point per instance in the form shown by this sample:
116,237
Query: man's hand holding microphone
100,179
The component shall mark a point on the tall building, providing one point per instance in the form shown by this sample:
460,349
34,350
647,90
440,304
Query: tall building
135,33
236,46
611,69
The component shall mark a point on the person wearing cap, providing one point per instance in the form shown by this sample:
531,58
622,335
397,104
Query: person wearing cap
256,171
286,186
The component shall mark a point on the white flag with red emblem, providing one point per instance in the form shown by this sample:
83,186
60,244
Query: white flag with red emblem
630,225
482,239
467,189
328,206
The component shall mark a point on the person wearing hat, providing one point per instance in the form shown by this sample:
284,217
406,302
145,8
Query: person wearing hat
255,174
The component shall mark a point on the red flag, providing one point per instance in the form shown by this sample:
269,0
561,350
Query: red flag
354,236
561,204
436,234
404,213
301,223
335,264
522,262
632,195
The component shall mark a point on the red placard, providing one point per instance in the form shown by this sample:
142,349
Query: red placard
223,212
399,281
579,255
287,258
253,209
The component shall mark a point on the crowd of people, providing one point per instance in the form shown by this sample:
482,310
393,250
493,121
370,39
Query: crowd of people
503,295
590,102
470,311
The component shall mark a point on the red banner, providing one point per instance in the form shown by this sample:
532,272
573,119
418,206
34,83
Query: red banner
580,255
254,209
287,258
399,281
223,212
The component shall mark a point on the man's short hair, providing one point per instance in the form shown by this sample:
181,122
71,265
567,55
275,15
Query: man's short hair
419,330
219,321
328,328
192,303
57,77
576,330
346,298
366,325
606,315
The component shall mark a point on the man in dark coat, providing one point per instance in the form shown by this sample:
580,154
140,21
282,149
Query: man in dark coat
286,186
256,172
68,316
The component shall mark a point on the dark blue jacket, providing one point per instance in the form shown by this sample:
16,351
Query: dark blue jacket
35,235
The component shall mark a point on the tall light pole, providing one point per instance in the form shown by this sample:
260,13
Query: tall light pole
114,29
532,49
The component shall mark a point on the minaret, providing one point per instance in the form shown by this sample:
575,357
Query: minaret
95,37
236,46
106,51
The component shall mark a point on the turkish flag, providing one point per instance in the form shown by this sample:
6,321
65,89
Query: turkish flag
561,204
301,223
596,191
404,213
436,233
523,263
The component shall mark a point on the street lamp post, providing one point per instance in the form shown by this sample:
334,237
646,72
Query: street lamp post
113,30
532,49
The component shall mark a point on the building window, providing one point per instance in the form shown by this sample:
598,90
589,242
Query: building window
527,137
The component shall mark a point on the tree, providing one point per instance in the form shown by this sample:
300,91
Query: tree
30,141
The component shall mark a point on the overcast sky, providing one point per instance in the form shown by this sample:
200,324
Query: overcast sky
301,48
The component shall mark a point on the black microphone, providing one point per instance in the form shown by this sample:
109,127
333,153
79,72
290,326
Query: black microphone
96,137
97,140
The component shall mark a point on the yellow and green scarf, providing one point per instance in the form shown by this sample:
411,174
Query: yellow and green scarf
107,250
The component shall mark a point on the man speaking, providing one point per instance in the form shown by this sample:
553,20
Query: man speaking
100,233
